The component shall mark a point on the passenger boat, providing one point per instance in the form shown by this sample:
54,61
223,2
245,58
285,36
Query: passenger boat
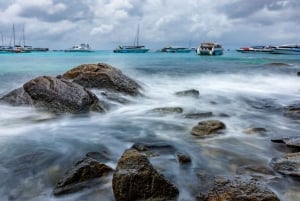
171,49
287,49
135,48
209,48
83,47
256,49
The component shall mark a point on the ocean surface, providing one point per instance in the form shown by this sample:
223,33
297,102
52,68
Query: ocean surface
241,90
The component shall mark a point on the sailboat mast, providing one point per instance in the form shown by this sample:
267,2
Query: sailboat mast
24,35
138,35
14,34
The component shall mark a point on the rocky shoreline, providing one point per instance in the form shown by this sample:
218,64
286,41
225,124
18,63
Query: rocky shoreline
134,177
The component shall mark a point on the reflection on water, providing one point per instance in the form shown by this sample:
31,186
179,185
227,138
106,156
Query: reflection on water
36,148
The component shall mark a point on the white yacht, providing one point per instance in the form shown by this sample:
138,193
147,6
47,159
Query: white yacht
287,49
83,47
209,48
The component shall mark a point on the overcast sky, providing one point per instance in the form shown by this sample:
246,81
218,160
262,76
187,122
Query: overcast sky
104,24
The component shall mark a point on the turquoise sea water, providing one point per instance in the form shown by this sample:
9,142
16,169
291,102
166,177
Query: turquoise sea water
37,149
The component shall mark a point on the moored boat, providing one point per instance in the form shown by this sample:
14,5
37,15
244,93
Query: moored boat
83,47
256,49
287,49
135,48
171,49
209,48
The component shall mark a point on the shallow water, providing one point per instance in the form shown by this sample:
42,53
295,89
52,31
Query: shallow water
36,148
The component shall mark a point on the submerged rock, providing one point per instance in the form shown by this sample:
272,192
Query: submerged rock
288,165
136,179
188,93
167,110
256,130
224,189
292,110
82,176
184,158
205,128
103,76
279,64
55,95
198,115
293,141
298,73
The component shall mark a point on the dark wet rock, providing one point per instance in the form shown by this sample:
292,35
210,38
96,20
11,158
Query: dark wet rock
188,93
154,149
288,164
205,128
55,95
254,170
278,64
293,141
298,73
256,130
17,97
115,97
264,104
103,76
102,156
292,111
85,174
184,158
237,189
223,115
136,179
167,110
198,115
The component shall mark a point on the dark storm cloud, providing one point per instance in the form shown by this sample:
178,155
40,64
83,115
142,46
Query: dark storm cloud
243,9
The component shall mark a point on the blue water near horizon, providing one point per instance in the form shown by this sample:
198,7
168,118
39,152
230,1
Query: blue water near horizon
37,148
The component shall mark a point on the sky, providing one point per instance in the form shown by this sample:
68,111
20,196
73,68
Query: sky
105,24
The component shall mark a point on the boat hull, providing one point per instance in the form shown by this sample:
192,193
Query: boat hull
131,50
286,51
210,52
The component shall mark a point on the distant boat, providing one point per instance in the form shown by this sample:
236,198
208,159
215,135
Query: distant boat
209,48
256,49
287,49
135,48
83,47
171,49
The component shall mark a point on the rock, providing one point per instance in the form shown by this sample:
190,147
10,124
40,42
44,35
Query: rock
83,175
264,104
298,73
293,141
292,111
205,128
255,130
102,156
279,64
55,95
184,158
167,110
103,76
115,98
288,165
188,93
254,170
136,179
154,149
198,115
237,190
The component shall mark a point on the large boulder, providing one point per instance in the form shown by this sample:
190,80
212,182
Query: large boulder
55,95
224,189
83,175
136,179
102,76
205,128
288,164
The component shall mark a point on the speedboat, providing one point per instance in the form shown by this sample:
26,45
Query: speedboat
171,49
287,49
83,47
209,48
256,49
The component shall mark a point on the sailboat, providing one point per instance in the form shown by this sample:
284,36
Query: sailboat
135,48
